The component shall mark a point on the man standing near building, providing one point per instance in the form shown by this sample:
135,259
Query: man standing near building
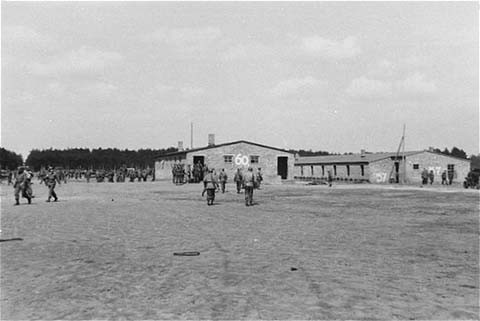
238,179
444,178
424,176
223,179
249,183
451,174
431,176
330,178
210,185
259,177
51,180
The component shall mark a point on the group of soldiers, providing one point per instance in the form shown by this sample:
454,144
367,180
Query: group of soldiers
429,176
247,181
22,179
23,184
191,174
121,175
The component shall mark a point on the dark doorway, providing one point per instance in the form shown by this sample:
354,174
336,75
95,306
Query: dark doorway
199,159
397,174
282,166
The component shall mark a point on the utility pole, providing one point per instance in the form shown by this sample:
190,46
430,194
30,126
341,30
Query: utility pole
191,135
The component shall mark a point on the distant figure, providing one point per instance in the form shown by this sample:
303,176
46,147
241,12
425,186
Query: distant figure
329,178
249,183
223,180
210,185
10,177
451,173
50,181
431,176
444,178
424,176
238,179
259,177
88,173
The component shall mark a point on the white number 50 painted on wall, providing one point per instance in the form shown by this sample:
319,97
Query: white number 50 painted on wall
241,160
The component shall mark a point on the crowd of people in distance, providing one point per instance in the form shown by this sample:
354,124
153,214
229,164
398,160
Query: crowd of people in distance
214,182
429,176
22,177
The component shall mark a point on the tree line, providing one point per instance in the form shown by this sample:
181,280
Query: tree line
111,158
84,158
9,159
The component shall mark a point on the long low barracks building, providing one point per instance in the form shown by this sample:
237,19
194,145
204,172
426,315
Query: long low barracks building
381,167
279,164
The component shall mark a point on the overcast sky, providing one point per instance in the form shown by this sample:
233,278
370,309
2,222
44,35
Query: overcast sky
334,76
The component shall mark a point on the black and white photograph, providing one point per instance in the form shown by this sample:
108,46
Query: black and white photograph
234,160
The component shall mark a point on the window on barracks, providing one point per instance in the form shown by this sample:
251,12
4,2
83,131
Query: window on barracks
416,166
450,167
228,158
254,159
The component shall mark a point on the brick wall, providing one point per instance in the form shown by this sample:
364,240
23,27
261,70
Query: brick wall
438,163
214,158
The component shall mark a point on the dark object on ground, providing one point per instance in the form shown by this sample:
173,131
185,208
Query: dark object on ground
186,253
472,179
12,239
293,269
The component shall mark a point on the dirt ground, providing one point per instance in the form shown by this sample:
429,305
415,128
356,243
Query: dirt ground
105,251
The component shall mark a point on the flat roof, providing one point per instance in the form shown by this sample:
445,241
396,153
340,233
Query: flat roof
359,159
349,158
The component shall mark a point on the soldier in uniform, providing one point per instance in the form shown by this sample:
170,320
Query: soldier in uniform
451,173
330,178
20,186
259,177
210,185
51,181
249,183
431,176
88,173
223,179
238,179
444,178
424,176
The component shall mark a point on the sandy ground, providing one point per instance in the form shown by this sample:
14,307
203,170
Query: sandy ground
105,251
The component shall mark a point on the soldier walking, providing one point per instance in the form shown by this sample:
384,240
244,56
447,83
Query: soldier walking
210,185
238,179
20,186
51,180
223,179
249,183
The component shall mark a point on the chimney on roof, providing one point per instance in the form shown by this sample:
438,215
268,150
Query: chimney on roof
211,139
362,153
180,145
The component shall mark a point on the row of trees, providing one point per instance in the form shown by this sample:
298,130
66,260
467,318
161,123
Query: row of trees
9,159
84,158
456,152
